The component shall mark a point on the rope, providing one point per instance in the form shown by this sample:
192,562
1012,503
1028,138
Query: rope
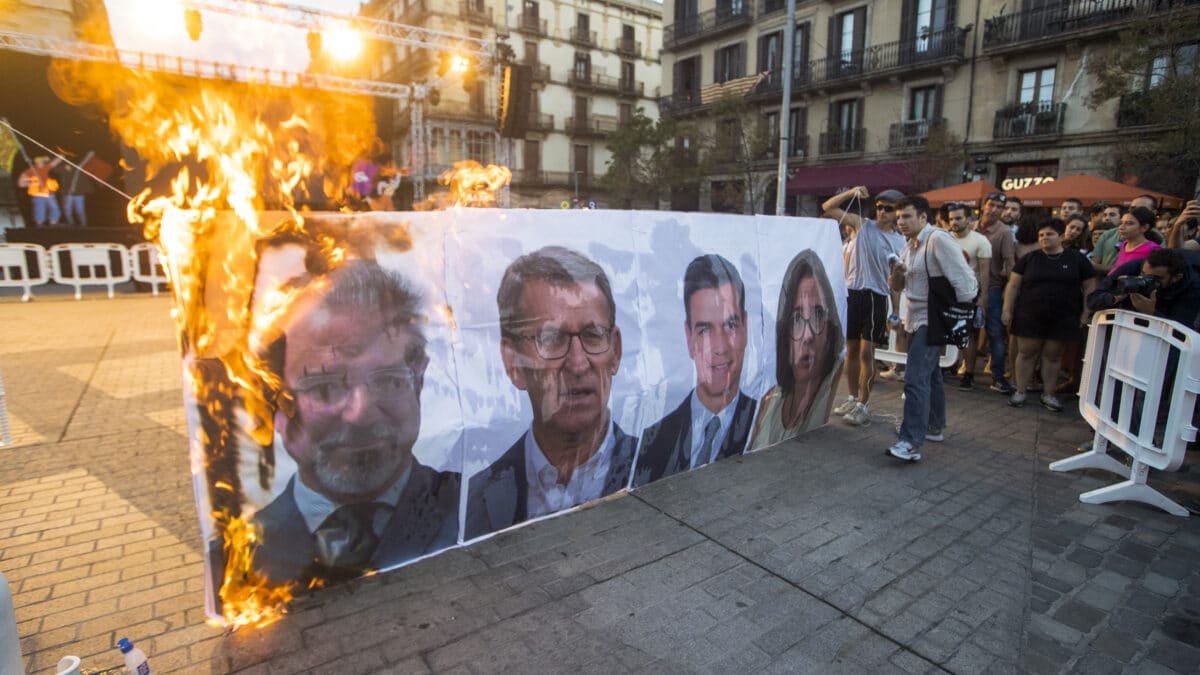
33,140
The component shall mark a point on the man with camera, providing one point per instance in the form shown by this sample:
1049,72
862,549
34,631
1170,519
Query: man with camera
1165,284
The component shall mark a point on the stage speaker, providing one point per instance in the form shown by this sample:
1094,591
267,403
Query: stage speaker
516,88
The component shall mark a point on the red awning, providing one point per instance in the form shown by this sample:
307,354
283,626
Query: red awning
830,180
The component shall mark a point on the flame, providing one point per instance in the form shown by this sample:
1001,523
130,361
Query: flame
217,157
471,184
247,599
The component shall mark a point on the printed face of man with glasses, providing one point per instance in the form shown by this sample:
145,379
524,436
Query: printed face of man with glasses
564,351
354,378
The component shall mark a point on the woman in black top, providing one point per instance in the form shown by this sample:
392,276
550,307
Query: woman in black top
1043,307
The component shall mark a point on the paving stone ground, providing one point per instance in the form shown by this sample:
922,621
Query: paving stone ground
821,555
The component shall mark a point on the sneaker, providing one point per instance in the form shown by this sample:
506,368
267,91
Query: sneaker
1001,385
1017,400
904,450
859,416
1050,402
935,434
966,382
846,407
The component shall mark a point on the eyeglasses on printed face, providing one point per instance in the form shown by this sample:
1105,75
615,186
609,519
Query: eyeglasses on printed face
814,323
886,208
332,390
554,343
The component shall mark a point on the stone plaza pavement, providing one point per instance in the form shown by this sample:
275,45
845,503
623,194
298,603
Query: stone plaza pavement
817,556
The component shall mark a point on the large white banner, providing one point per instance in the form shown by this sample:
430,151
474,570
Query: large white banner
406,382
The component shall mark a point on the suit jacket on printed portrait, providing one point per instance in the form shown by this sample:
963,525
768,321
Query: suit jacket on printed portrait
425,521
498,496
667,445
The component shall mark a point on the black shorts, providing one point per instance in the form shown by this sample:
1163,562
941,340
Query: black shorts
866,317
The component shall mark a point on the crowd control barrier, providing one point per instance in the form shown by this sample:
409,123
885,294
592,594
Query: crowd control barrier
1141,376
146,265
82,265
5,433
23,266
893,355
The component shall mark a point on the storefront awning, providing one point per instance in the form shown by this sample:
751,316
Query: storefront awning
830,180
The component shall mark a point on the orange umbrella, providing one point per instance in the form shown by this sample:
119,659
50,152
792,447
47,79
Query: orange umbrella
970,194
1089,190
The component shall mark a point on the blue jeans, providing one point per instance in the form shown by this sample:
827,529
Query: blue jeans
995,331
74,211
924,396
45,210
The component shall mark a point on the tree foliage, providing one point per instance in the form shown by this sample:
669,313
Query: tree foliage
742,148
645,164
1153,74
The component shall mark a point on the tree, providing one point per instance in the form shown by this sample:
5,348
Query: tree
742,149
647,164
1154,75
942,152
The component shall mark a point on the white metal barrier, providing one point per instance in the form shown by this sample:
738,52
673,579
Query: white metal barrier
82,265
893,355
5,433
16,270
147,266
1136,368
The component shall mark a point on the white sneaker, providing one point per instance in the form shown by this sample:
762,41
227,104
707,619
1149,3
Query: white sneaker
904,450
859,416
846,407
935,434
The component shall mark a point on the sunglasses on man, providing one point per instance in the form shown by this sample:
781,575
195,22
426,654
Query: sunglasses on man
998,197
885,208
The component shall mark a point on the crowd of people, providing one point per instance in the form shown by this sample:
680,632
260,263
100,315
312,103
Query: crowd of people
1032,283
48,181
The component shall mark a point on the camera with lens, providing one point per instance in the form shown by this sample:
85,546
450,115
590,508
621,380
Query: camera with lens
1143,284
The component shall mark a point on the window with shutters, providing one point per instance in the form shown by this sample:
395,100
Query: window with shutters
847,38
927,29
624,113
583,67
800,56
770,130
729,62
687,79
798,132
532,157
922,103
924,112
1037,86
770,54
582,164
845,132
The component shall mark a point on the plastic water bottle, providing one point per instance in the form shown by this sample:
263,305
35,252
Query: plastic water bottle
135,659
893,321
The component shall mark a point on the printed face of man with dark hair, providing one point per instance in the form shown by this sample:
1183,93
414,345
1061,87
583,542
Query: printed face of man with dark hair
716,339
564,355
356,387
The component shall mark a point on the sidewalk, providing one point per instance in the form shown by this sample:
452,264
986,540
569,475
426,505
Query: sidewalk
815,556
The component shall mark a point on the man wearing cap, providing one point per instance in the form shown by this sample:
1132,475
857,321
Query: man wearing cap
1000,237
872,243
41,188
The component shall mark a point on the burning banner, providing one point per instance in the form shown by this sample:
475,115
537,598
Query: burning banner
367,389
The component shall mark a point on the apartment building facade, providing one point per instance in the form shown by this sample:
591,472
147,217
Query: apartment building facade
594,63
1000,88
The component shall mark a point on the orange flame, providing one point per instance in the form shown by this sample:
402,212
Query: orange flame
247,599
471,185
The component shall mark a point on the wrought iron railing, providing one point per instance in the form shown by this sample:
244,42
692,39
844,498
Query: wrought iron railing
541,71
679,102
1133,110
628,46
629,87
595,79
530,23
592,124
583,36
725,16
913,133
1041,118
1066,18
936,46
769,6
541,122
843,141
474,10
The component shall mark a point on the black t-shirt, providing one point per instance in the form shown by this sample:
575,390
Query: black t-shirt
1050,284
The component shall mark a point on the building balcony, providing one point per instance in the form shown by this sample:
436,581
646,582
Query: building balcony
797,147
475,11
903,56
1024,120
629,87
726,17
1133,110
627,47
679,103
462,112
913,133
583,37
541,71
415,10
595,81
772,6
591,125
843,141
539,178
542,122
530,24
1066,21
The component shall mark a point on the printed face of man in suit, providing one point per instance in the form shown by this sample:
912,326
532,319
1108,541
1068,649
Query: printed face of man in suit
357,390
716,339
564,356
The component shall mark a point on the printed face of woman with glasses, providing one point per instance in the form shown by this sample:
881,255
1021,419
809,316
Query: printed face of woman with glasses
564,354
356,386
810,316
